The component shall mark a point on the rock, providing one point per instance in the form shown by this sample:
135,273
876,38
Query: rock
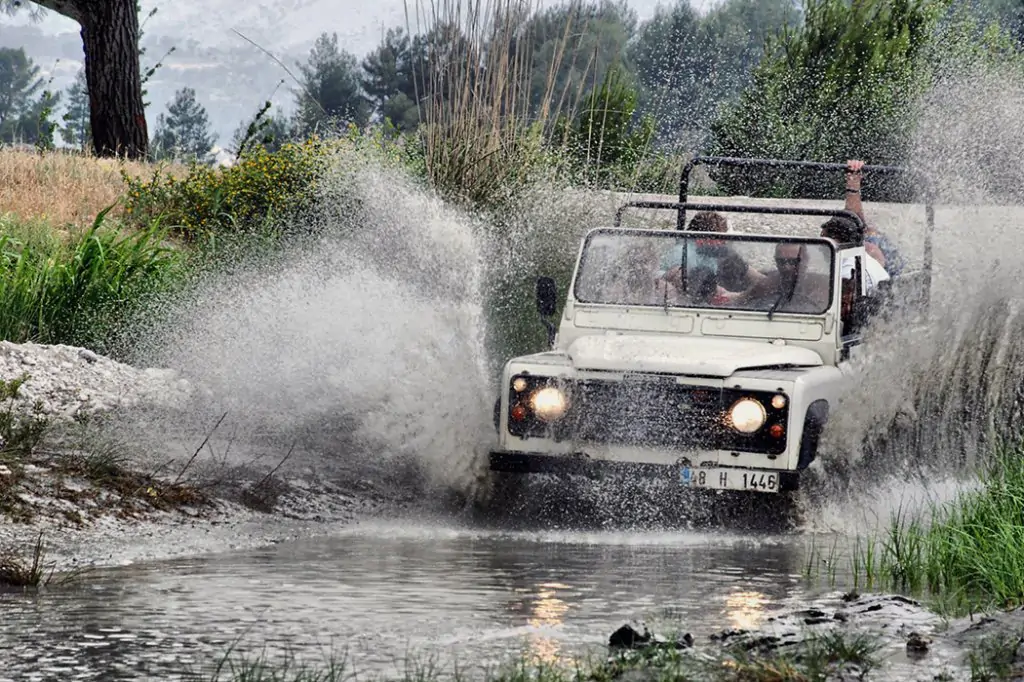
917,645
626,637
88,355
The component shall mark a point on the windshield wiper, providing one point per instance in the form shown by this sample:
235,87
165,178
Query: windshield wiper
778,301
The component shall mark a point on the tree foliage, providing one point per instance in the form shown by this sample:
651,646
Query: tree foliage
606,140
569,49
183,133
687,64
23,109
331,93
77,131
842,85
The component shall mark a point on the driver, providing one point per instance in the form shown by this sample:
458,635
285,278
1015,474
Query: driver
790,287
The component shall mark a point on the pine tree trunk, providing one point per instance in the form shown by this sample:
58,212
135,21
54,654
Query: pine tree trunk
110,36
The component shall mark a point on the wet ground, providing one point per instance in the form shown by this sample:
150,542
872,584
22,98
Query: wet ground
387,591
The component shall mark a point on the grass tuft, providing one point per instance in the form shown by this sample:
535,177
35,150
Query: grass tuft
34,572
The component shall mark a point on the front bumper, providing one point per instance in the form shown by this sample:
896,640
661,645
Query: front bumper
579,464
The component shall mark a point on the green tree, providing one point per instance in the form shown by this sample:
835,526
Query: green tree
568,49
842,85
331,91
76,130
24,112
19,82
391,80
184,132
606,140
110,41
1008,13
688,64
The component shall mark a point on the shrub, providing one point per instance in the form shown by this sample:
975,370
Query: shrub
79,291
263,190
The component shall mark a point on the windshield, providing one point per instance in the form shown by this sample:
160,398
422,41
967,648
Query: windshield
737,272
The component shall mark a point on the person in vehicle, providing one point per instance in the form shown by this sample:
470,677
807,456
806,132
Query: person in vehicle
710,258
638,283
790,287
876,244
844,231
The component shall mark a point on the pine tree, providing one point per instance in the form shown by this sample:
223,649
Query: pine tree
331,92
19,82
76,130
184,132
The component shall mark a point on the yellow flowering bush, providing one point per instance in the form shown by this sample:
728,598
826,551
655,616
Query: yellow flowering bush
261,190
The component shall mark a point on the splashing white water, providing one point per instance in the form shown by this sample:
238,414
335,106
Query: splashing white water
364,341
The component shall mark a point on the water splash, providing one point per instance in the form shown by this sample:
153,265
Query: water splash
363,343
933,399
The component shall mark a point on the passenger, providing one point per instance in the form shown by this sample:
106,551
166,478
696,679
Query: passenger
842,230
876,244
731,272
638,282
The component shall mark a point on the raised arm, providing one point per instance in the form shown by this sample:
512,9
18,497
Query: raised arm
854,173
853,176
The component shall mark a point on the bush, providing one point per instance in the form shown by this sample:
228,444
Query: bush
80,291
262,191
609,146
844,85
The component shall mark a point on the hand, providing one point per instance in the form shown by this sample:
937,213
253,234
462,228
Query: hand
854,169
723,297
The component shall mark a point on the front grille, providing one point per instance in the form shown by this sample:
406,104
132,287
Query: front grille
651,412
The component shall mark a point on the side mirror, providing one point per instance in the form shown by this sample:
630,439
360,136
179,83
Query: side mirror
547,296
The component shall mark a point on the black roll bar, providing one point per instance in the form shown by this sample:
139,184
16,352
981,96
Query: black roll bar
682,205
740,162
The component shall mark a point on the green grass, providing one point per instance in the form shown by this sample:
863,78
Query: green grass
963,556
817,658
78,289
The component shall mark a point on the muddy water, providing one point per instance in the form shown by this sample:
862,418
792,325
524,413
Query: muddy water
385,592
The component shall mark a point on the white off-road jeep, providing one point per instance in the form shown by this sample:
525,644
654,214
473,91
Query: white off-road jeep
718,371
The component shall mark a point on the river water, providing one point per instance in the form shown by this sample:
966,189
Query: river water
391,593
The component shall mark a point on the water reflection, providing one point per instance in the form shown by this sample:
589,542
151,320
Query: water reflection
746,609
383,592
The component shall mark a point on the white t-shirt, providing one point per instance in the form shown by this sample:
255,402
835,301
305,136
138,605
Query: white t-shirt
873,271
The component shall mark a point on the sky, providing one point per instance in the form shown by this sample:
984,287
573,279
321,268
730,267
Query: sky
232,78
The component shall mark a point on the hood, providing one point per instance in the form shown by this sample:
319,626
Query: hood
700,356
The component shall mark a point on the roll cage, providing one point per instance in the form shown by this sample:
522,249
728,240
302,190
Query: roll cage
922,299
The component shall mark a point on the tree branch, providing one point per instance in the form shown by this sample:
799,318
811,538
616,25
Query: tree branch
72,9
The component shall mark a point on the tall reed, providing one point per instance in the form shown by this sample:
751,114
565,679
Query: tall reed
484,137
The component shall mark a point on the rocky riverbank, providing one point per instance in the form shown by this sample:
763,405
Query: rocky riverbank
67,472
839,637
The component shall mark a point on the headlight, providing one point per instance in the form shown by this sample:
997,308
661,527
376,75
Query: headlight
549,404
747,415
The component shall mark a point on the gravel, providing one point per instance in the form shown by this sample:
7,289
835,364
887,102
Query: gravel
68,382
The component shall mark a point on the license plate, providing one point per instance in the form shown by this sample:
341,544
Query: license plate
730,479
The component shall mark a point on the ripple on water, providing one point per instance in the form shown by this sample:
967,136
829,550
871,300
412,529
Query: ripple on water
383,591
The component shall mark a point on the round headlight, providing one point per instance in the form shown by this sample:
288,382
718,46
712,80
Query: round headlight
747,415
549,404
